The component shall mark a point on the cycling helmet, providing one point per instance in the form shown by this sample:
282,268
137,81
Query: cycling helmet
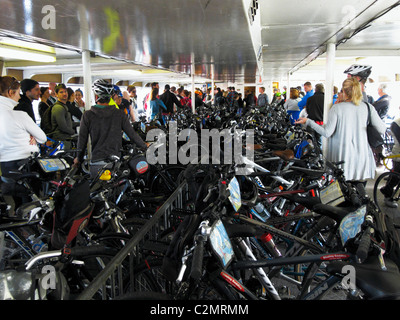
117,90
102,89
363,71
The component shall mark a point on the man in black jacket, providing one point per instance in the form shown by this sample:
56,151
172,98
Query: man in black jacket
169,100
382,103
315,108
30,91
104,124
381,106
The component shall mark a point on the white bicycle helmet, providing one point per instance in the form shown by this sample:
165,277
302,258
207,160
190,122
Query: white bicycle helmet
363,71
102,89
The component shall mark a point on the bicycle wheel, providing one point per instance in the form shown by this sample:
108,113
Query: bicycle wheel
149,277
165,181
86,267
380,182
12,255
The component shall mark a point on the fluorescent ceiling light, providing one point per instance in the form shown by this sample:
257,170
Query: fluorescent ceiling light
127,72
10,42
17,53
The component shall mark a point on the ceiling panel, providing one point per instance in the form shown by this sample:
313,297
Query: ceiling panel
156,33
285,36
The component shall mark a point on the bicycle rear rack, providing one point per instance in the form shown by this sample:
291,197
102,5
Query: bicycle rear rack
110,282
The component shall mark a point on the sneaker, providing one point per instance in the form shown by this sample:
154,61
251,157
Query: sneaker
390,203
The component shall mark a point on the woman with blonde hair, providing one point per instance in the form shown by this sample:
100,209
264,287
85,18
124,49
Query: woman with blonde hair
346,132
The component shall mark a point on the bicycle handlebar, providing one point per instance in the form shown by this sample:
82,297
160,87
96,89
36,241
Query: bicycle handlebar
198,254
363,247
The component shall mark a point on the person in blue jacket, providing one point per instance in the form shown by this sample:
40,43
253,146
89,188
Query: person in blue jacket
309,92
155,105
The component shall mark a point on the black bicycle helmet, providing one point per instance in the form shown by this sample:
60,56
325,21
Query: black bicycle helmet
363,71
102,89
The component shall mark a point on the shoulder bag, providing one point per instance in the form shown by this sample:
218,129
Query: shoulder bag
374,137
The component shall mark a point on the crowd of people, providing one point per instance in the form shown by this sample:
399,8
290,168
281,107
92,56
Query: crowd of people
114,111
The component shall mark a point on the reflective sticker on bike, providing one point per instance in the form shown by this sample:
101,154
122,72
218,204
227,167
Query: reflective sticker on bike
232,281
335,257
142,166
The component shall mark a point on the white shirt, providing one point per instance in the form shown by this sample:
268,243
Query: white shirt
16,127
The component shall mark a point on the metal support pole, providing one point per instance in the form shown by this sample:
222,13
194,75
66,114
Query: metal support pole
87,71
212,78
193,89
87,78
329,81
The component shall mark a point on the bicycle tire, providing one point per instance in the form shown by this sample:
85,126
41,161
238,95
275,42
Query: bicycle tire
93,260
148,277
165,181
381,178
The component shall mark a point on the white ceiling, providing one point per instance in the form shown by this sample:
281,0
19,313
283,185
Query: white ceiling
159,37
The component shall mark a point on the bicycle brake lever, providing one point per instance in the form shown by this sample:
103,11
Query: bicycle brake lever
210,190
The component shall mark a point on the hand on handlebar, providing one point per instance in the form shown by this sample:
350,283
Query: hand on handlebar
301,121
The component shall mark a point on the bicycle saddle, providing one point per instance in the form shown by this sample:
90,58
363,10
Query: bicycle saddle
371,279
284,154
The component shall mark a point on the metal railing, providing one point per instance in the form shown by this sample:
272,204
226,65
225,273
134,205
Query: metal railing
110,282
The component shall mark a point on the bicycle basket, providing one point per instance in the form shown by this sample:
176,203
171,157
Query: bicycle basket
71,214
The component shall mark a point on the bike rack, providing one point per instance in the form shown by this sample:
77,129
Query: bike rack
110,280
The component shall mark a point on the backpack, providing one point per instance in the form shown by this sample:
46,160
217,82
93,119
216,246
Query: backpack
71,214
45,122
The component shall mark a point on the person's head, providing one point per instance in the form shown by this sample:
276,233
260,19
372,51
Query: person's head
78,95
30,88
361,72
319,87
335,90
307,86
10,87
132,91
382,89
294,93
125,95
155,85
44,93
351,90
179,91
167,87
117,95
173,89
52,87
71,94
102,91
61,92
261,89
186,93
154,93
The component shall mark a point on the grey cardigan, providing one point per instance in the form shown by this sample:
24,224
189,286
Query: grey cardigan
346,130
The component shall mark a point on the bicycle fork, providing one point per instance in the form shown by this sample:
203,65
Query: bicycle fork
259,272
